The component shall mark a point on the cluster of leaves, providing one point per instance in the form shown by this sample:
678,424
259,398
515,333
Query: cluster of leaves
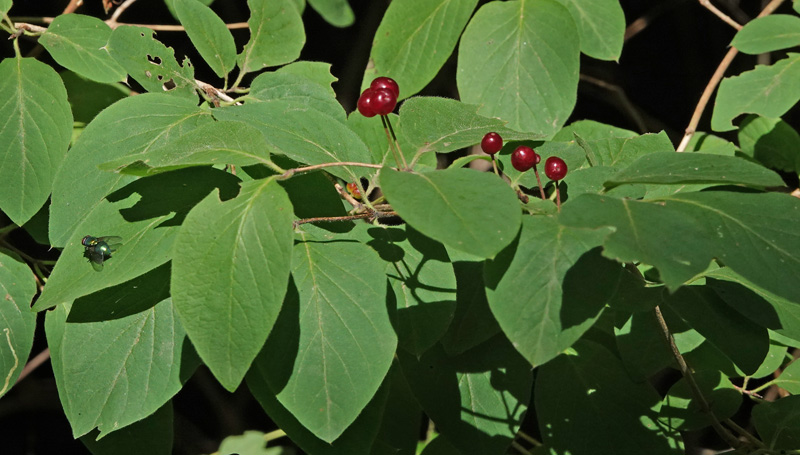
346,332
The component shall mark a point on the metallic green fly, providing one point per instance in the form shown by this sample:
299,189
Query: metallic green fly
99,249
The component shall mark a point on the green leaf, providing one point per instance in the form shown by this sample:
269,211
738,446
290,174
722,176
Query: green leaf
477,399
739,338
472,211
335,12
789,379
17,322
150,62
276,34
402,416
307,136
223,142
520,60
778,422
641,344
333,342
767,34
586,404
681,234
152,435
771,142
709,143
35,130
442,125
423,282
623,150
533,288
357,438
591,130
78,43
208,33
229,276
148,120
105,351
678,168
765,308
146,214
87,98
249,443
681,411
415,39
298,91
5,5
767,90
473,322
601,26
318,72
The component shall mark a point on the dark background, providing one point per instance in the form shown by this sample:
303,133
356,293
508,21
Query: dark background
662,72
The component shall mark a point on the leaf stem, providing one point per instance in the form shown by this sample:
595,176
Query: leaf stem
396,143
714,81
291,172
370,215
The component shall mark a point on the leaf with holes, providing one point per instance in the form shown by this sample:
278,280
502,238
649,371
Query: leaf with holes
150,62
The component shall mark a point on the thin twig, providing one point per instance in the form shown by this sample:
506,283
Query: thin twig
725,18
361,216
625,103
298,170
34,363
121,9
697,394
156,27
714,81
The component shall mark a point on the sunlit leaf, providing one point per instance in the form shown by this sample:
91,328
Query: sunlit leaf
17,323
208,33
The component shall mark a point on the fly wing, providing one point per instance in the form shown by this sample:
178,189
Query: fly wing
96,258
112,241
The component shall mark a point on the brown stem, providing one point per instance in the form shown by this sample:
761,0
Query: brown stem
714,81
538,181
725,18
361,216
297,170
558,196
34,363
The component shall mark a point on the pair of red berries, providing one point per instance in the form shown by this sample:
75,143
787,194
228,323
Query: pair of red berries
524,157
379,98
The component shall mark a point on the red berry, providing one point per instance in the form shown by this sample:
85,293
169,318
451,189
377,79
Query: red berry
383,101
365,103
555,168
538,159
523,158
352,188
491,143
386,82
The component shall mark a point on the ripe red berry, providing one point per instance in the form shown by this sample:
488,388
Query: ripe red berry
383,101
538,159
491,143
352,188
365,103
387,83
555,168
523,158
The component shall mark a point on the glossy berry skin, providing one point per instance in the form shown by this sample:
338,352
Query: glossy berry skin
491,143
523,158
538,159
365,106
383,101
555,168
387,83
